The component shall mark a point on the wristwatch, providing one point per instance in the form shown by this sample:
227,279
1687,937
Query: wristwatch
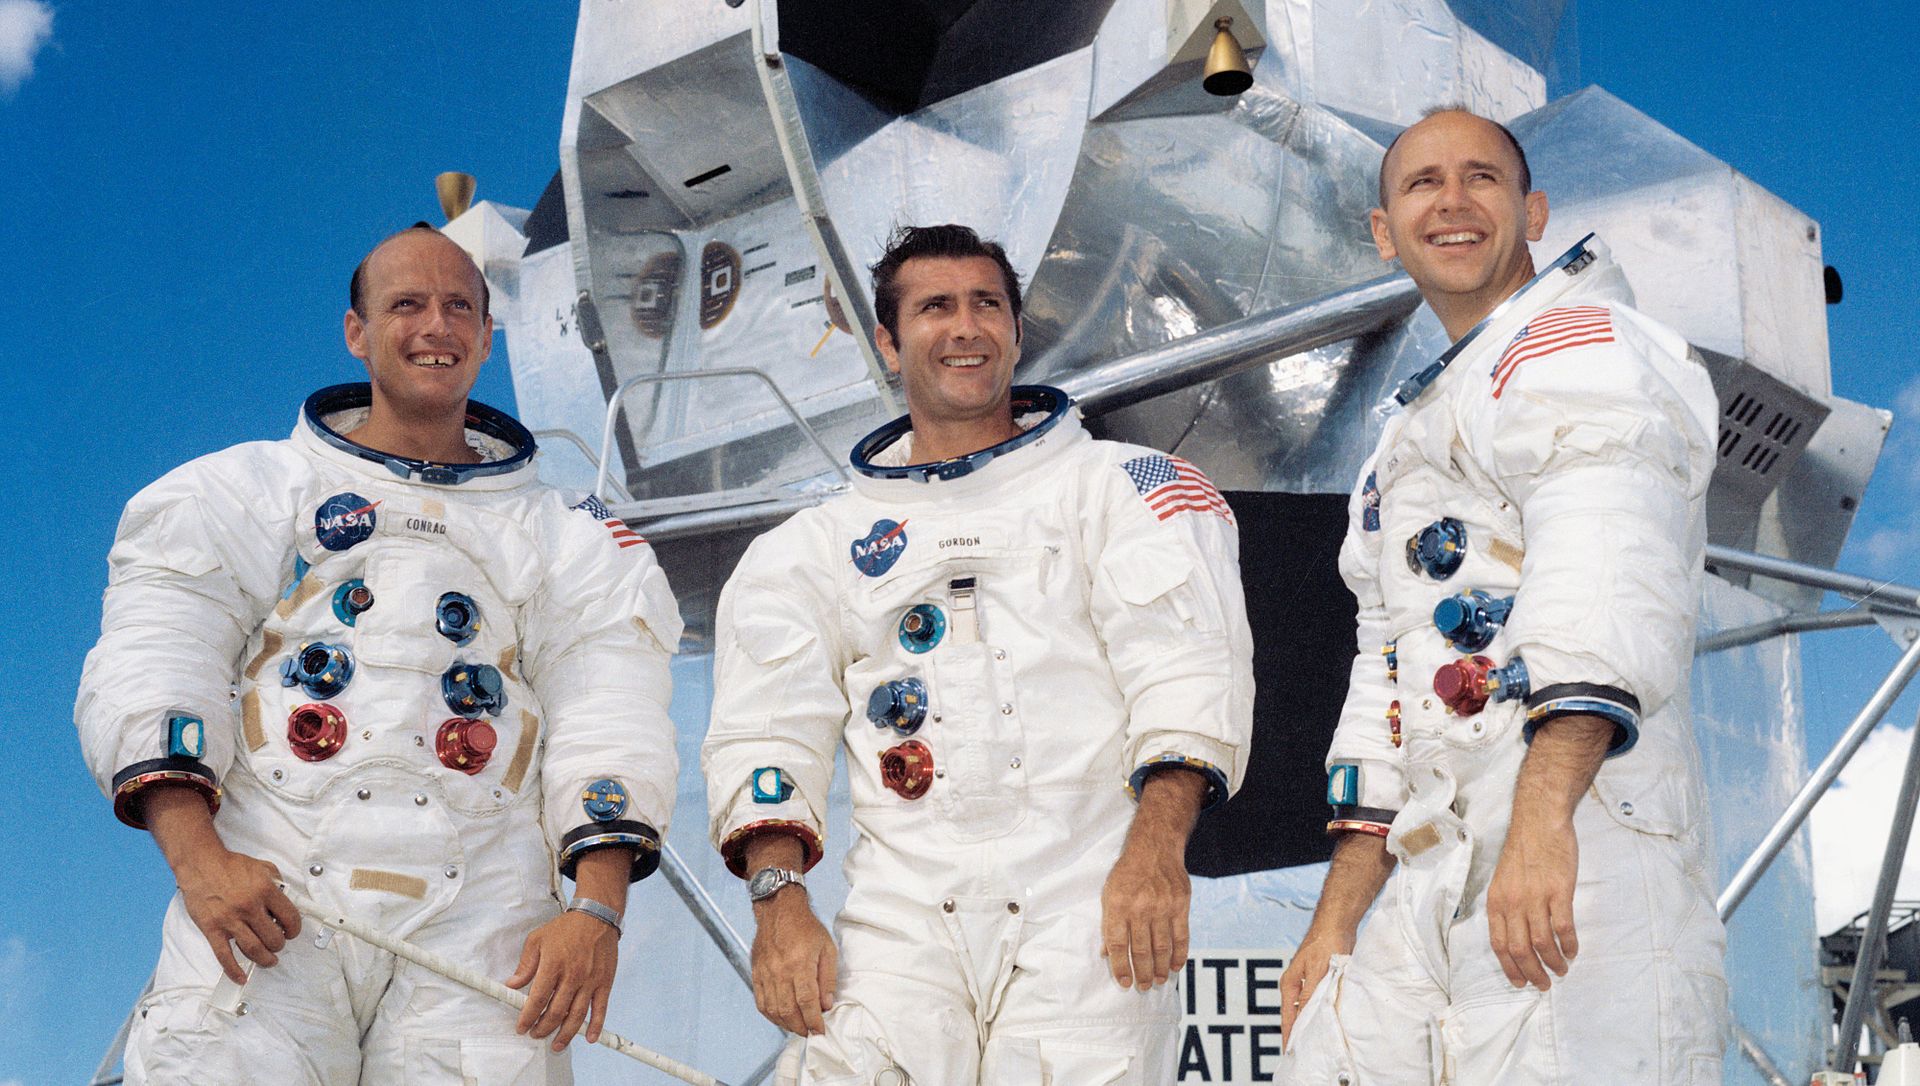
767,882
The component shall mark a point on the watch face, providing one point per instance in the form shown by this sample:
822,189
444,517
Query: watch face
764,882
767,880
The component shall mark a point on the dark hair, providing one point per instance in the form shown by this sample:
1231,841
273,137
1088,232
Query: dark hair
1526,174
354,285
948,240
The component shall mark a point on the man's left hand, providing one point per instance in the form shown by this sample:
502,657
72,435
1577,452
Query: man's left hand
567,969
1143,907
1530,902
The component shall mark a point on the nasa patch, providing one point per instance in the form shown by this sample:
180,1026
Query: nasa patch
343,521
876,552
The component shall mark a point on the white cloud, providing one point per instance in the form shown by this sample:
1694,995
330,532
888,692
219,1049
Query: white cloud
1889,550
1906,403
1849,831
25,26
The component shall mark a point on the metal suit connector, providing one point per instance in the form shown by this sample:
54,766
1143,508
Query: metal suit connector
472,689
316,732
1438,549
1470,620
922,627
465,744
907,769
351,600
1466,685
604,800
900,704
457,617
322,670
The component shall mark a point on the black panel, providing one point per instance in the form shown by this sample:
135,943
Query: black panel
547,222
906,54
1303,628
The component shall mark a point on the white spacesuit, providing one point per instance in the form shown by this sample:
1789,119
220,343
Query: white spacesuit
1005,645
421,691
1557,467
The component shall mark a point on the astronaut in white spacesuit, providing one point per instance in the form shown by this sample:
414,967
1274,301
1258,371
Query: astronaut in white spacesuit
1515,762
381,662
1033,648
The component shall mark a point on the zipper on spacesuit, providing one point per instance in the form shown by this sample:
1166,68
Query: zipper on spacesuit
962,605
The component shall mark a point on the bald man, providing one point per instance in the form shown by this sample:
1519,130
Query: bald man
1515,763
380,663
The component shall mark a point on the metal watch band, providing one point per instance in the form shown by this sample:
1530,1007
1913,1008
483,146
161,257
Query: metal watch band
769,881
598,910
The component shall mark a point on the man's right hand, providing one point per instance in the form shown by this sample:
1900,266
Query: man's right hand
794,963
234,899
1304,973
1361,864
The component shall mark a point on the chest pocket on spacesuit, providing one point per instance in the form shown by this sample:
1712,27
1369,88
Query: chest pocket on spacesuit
1156,579
977,733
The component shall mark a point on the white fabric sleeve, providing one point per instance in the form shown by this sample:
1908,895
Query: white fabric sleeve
1364,737
597,639
1170,611
1606,455
192,573
778,700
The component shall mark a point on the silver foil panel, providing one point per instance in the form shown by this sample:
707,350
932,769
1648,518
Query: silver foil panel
1748,720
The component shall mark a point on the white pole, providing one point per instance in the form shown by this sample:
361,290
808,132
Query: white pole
485,985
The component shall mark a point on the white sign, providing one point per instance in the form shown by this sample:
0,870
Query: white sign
1231,1032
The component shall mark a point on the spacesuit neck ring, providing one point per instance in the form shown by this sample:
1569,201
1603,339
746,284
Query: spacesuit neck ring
1573,261
485,420
1026,400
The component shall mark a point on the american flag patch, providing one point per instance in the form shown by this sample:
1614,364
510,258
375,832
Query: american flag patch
1170,485
1554,330
623,535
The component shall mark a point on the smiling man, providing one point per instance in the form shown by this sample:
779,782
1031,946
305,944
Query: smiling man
443,679
1515,761
1014,632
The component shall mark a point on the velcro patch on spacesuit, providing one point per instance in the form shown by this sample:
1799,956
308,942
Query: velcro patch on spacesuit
1552,331
392,882
1171,486
1419,840
522,753
270,643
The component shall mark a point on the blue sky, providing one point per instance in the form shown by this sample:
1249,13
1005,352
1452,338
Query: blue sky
184,189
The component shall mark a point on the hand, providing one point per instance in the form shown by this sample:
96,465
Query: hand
794,963
567,968
1530,901
1305,971
234,899
1143,914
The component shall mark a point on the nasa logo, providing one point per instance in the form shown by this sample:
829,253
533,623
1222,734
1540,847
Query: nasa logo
343,520
877,551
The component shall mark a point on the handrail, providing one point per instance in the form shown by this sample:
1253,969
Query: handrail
1242,344
790,134
631,383
586,450
1886,595
1816,786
